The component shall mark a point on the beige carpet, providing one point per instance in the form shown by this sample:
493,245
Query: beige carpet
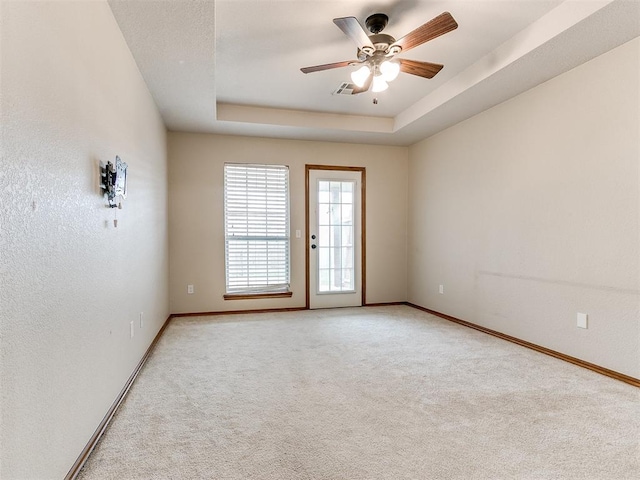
363,393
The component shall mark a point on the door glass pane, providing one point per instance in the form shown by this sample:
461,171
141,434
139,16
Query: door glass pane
336,257
323,214
323,192
336,280
334,188
347,231
336,234
347,257
347,214
323,236
323,257
336,230
323,279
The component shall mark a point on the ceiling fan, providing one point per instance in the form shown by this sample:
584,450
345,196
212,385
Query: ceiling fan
376,51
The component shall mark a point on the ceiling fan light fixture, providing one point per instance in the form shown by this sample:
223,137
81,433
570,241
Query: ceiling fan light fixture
389,70
360,76
379,84
375,51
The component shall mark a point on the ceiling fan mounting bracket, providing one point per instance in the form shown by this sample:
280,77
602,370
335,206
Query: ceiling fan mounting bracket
376,22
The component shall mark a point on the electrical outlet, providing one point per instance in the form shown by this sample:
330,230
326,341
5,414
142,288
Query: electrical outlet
441,289
582,321
132,330
141,319
190,289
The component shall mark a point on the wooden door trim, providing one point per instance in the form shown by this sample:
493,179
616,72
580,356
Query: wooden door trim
363,220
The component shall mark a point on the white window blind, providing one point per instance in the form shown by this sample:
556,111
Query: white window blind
256,215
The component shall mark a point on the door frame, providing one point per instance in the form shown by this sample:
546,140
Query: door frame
363,243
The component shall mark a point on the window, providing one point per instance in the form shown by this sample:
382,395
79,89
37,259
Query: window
256,213
336,272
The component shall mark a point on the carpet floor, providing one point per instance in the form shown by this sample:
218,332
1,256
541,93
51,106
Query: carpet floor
363,393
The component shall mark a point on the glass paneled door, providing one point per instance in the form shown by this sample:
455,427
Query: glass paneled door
335,238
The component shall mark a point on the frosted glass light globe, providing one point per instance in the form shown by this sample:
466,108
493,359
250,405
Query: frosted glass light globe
379,84
360,76
389,70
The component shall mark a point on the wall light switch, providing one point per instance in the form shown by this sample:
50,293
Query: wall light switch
441,289
298,234
132,330
190,289
141,319
582,320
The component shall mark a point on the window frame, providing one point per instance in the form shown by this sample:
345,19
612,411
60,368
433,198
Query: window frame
267,290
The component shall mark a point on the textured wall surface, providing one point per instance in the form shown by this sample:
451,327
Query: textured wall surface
196,214
528,214
71,283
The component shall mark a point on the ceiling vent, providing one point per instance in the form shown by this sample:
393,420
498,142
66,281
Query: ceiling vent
345,88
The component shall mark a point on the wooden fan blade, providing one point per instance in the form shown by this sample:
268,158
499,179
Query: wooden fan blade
421,69
352,29
363,88
443,23
327,66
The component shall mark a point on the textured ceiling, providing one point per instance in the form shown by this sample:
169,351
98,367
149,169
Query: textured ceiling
233,66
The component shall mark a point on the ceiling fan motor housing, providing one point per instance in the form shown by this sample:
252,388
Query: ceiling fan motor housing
381,42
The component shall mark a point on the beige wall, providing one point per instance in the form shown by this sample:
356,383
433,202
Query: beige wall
528,213
72,96
196,215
